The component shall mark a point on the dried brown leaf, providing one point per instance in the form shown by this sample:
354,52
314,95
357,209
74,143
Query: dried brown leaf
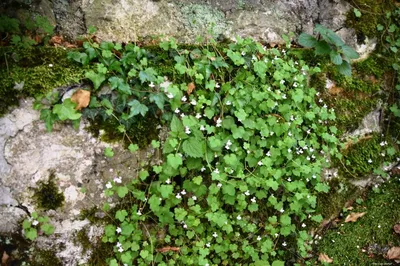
394,253
190,88
4,258
396,228
56,40
81,98
324,258
354,216
168,248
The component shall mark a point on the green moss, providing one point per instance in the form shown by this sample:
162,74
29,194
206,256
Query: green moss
82,239
31,66
361,158
47,195
331,204
372,13
350,110
45,258
374,65
344,244
142,131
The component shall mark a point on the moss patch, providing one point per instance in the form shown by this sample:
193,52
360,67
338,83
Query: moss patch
47,195
45,258
372,233
31,66
372,13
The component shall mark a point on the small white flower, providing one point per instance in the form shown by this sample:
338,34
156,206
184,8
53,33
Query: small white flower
284,244
219,121
289,134
178,196
239,217
183,192
202,128
254,58
184,99
121,249
289,150
217,85
139,213
303,225
314,176
243,53
108,185
320,100
151,85
317,93
295,84
325,106
258,238
260,163
284,96
118,180
168,181
203,169
289,179
253,199
369,161
247,193
185,226
308,158
276,235
379,226
50,65
118,230
208,244
271,133
119,245
177,111
216,171
198,115
193,102
268,154
170,95
228,103
194,198
215,234
282,210
219,185
228,143
282,81
382,143
35,222
311,149
187,130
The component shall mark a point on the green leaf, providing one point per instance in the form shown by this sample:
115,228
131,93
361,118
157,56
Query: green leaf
344,68
31,233
144,253
176,125
336,58
143,175
119,84
278,263
180,214
49,118
108,152
47,228
260,68
357,12
113,262
137,108
133,147
174,160
121,215
122,191
307,40
194,147
322,48
66,110
166,190
148,75
395,110
97,79
379,27
349,52
158,99
298,95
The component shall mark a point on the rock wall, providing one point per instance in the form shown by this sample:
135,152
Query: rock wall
132,20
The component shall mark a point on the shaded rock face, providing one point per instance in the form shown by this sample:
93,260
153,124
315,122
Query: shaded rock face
130,20
29,155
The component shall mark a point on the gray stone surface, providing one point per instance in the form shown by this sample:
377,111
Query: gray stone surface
29,154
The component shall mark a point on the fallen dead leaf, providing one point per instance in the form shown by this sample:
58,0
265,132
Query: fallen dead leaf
168,248
190,88
354,216
394,254
4,258
396,228
56,40
81,98
324,258
335,90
